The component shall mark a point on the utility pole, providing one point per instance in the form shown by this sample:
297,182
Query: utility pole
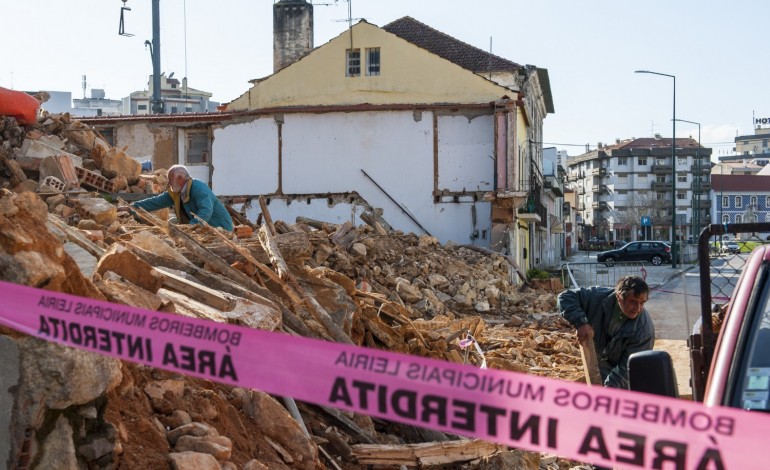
156,103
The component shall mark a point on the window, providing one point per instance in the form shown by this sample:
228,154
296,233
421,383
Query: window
681,179
660,179
681,196
197,147
764,143
725,201
641,161
373,61
622,161
753,201
659,196
767,201
622,179
353,68
738,202
725,219
738,218
109,135
142,107
174,109
681,161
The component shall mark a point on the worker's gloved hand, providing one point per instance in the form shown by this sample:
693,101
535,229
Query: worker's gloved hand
585,332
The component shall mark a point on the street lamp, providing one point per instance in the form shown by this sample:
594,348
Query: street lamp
673,170
697,190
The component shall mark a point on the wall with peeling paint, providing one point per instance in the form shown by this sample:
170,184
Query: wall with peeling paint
409,74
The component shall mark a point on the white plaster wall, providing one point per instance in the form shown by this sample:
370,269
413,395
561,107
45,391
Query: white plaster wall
245,158
466,153
325,153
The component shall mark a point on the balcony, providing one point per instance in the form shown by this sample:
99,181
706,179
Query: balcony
581,190
705,168
600,188
705,186
660,186
555,185
601,172
581,207
705,203
601,205
659,169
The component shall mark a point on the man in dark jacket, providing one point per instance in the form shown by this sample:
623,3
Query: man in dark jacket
617,321
188,196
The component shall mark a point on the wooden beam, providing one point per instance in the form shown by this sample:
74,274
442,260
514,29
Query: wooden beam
199,292
590,362
76,237
424,454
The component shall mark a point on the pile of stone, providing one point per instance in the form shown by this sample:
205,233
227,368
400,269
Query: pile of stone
357,285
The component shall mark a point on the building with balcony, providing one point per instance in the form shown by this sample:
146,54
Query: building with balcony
617,184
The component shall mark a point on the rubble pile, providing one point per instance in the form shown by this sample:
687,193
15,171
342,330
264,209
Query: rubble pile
358,285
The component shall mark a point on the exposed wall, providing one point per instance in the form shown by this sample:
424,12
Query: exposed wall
147,142
323,154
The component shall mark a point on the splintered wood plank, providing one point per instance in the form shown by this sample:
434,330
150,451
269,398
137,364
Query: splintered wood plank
424,454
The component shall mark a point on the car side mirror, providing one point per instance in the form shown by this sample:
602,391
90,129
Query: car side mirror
652,372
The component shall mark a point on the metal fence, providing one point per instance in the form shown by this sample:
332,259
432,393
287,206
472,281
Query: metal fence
589,274
726,247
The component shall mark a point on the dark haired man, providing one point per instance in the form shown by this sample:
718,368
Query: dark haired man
617,321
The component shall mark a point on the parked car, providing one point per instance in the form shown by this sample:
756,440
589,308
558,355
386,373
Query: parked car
731,247
656,252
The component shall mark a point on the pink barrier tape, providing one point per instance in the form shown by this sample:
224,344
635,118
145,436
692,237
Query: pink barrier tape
589,424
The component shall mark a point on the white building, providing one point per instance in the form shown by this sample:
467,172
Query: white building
618,184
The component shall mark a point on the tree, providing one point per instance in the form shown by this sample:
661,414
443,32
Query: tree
638,205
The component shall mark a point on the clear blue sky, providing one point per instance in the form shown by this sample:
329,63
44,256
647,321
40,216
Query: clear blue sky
590,48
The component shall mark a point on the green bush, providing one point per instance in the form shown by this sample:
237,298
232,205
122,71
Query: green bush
536,273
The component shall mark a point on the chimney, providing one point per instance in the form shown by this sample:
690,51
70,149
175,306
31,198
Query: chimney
292,31
657,136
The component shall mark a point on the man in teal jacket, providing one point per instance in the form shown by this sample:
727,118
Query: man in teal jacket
617,321
189,196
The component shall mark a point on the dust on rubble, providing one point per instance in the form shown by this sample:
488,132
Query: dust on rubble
379,289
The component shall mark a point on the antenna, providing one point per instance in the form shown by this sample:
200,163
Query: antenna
122,25
84,87
490,57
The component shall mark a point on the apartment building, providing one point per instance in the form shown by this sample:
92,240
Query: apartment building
618,185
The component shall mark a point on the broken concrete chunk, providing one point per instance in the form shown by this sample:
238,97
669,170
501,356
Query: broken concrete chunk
126,264
97,209
117,163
